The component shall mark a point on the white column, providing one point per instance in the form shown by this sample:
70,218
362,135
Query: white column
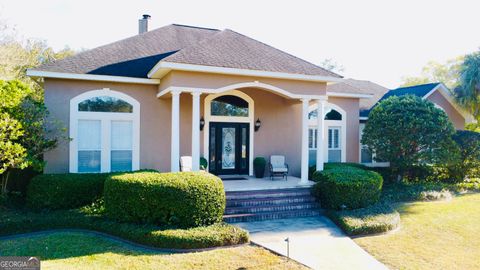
175,151
196,131
320,134
304,173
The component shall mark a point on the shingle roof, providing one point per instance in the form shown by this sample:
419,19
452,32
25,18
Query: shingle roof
136,56
360,87
417,90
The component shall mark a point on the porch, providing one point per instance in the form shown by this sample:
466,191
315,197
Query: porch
249,183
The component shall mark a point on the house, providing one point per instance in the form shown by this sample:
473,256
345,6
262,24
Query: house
145,101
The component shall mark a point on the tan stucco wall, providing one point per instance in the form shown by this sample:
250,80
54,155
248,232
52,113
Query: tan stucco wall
214,81
457,119
280,132
154,120
351,107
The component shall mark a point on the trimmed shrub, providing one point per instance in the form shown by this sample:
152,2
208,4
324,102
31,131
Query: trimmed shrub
468,162
216,235
327,166
375,219
347,187
203,163
185,199
259,164
64,191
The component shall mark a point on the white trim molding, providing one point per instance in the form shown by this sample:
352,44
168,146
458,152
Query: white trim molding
255,84
349,95
450,98
90,77
342,124
232,119
162,68
106,118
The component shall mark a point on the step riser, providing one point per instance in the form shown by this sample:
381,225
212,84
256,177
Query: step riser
271,216
278,208
241,196
277,201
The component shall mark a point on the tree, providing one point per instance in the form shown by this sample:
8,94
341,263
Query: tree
447,73
468,162
468,91
12,154
333,66
29,126
17,55
409,131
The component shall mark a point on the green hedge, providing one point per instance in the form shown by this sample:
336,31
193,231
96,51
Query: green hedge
375,219
185,199
331,165
220,234
347,187
64,191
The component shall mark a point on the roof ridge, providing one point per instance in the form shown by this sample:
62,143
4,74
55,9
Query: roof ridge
196,27
296,57
413,86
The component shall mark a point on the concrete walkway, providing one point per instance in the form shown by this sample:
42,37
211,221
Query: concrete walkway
314,241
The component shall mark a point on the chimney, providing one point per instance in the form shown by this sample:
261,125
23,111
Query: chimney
143,24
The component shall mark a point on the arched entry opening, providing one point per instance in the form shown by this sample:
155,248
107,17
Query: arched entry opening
228,133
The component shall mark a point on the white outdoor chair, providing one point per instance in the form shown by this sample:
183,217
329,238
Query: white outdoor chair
186,164
278,167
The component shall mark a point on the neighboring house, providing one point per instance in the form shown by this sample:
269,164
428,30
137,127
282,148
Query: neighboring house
144,101
437,93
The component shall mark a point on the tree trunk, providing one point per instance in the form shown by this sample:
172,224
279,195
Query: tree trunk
5,182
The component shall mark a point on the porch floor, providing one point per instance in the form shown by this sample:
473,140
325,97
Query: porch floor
252,183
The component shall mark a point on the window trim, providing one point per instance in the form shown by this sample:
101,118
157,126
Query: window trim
105,118
342,124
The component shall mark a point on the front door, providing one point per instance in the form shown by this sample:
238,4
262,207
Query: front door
229,148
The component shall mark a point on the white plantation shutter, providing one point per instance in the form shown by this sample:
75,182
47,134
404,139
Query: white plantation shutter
121,146
89,146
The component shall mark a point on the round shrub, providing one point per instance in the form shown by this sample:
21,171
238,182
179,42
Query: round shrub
347,187
185,199
64,191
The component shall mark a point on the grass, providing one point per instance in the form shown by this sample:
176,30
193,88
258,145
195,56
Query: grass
68,250
434,235
222,234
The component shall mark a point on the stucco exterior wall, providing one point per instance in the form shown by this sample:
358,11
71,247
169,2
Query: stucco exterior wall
351,107
214,81
457,119
280,132
155,115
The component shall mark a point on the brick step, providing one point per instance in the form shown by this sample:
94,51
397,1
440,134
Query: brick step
269,201
277,193
271,208
247,217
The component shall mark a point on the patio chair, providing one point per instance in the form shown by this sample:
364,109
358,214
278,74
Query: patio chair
278,167
186,164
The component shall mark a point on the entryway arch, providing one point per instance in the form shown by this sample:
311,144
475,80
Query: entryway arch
233,112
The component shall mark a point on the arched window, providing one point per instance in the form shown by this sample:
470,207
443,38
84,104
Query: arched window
105,104
229,105
104,127
331,115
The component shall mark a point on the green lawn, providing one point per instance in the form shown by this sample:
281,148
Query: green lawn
433,235
69,250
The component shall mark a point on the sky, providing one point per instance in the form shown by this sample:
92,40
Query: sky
380,41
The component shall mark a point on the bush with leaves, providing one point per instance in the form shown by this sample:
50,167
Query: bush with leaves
28,116
468,161
409,131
